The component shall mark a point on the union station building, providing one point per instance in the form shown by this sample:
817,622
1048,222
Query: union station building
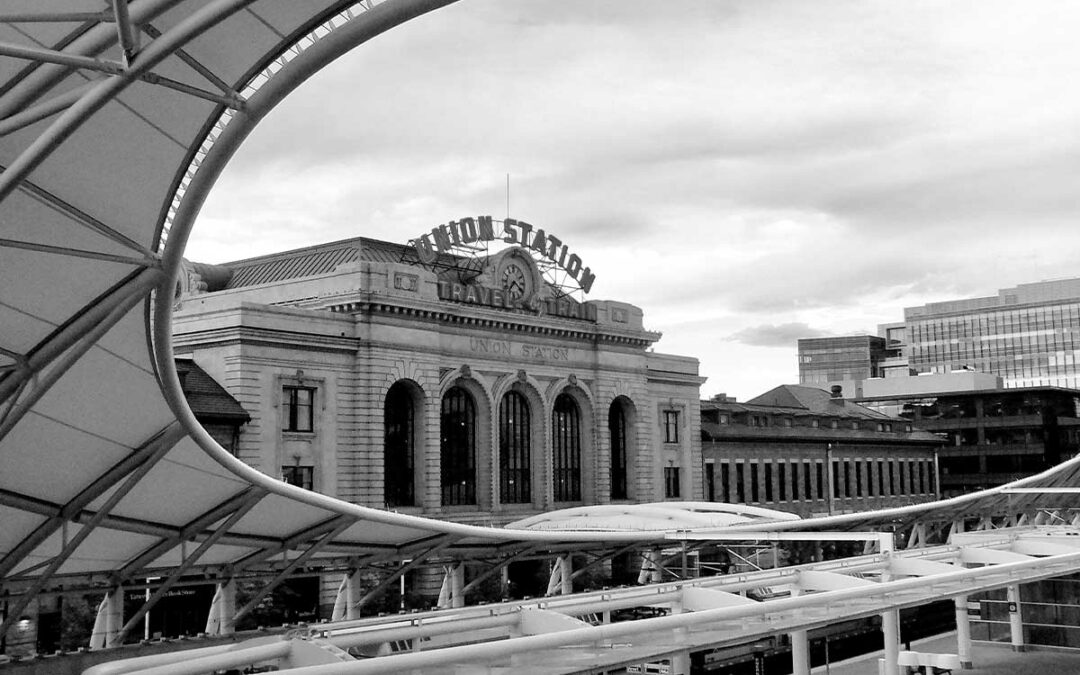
441,379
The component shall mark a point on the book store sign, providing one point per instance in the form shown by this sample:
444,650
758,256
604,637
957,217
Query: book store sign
449,237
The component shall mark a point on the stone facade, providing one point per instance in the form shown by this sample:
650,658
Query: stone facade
345,336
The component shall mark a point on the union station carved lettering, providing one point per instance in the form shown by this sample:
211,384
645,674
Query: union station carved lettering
524,351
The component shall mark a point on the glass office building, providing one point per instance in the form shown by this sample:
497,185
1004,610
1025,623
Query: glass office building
833,359
1029,335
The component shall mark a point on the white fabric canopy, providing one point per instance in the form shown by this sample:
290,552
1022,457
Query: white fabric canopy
115,120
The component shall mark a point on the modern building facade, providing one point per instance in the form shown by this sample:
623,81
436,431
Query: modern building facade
1028,335
992,436
823,361
807,451
419,381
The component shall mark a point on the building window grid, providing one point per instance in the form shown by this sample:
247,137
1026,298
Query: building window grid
740,483
398,447
299,414
566,449
671,482
299,475
458,448
671,426
515,449
617,431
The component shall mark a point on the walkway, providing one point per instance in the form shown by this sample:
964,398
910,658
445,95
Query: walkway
989,659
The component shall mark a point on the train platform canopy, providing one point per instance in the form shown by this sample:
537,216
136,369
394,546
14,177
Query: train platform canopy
115,121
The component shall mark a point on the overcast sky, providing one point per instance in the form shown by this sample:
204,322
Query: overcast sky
747,172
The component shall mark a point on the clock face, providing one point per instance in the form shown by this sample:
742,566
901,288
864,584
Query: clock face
514,281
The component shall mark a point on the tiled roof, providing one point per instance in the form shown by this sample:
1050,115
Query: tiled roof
813,400
321,259
207,398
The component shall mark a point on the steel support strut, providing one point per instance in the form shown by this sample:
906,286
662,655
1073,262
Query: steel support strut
144,456
344,523
129,483
82,333
189,562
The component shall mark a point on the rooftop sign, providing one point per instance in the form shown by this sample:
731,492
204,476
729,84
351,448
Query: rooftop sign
446,238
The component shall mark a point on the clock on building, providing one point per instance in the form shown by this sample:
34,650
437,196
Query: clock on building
515,281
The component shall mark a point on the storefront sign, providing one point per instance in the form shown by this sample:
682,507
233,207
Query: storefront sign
444,238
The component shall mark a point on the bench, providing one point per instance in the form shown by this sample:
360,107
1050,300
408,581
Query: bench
930,664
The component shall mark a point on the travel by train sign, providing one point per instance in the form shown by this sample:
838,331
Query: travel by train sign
447,238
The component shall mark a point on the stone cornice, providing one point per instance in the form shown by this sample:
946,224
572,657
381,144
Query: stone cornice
492,320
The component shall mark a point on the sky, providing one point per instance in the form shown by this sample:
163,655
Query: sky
747,172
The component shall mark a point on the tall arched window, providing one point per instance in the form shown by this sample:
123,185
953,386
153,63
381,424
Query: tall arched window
515,435
458,448
617,430
566,449
398,446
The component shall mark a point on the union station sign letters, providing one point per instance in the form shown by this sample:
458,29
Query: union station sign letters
444,238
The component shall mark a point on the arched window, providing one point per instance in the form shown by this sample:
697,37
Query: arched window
458,448
617,430
515,434
566,449
398,446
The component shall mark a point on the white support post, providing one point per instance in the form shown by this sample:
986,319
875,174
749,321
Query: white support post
800,645
1016,622
890,620
457,584
680,661
354,591
566,562
227,611
109,620
963,632
222,618
890,628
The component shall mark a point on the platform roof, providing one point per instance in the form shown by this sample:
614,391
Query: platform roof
115,120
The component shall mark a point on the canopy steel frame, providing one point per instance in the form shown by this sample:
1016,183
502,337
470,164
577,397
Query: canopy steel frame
344,523
145,456
69,346
157,452
401,570
189,532
188,562
40,77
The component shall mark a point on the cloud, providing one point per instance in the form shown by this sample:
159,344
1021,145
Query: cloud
732,167
782,335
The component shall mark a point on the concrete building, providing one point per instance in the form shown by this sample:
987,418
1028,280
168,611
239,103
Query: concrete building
1028,335
992,436
463,387
807,451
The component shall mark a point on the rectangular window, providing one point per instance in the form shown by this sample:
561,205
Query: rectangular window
671,482
671,426
299,404
740,483
754,488
819,470
795,481
725,482
710,482
768,482
781,477
300,476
